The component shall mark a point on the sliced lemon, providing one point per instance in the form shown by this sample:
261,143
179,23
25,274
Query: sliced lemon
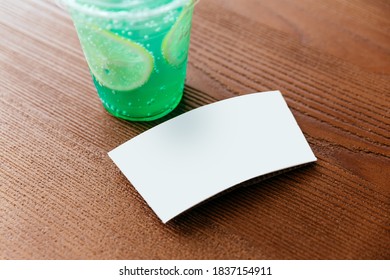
175,44
116,62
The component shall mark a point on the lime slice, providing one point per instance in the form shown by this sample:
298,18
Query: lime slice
175,44
116,62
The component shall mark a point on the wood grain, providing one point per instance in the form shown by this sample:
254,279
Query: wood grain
61,197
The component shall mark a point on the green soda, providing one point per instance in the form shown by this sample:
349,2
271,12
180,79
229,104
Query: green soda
136,52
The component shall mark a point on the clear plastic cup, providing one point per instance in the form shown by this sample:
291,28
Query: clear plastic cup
136,52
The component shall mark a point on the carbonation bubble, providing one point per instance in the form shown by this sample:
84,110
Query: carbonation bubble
150,101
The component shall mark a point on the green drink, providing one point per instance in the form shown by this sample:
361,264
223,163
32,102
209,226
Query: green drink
136,52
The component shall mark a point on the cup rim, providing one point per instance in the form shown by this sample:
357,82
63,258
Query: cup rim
72,4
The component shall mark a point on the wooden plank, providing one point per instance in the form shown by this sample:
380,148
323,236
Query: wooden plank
61,197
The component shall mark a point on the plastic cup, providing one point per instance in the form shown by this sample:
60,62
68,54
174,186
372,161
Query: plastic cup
136,51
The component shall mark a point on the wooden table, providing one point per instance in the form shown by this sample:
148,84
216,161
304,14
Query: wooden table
61,197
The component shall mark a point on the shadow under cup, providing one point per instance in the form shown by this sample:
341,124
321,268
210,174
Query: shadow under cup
136,52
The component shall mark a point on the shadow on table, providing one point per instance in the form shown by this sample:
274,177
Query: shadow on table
233,200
